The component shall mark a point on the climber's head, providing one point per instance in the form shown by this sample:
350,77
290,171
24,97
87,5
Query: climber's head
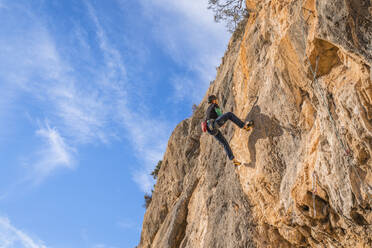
212,99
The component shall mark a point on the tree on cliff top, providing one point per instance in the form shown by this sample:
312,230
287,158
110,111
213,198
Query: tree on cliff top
229,11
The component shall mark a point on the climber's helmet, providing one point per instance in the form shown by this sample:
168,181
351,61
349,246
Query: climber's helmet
211,98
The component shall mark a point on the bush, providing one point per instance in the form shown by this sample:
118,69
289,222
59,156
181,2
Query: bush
148,199
229,11
155,172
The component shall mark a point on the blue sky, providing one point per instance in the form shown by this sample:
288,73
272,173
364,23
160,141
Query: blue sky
90,92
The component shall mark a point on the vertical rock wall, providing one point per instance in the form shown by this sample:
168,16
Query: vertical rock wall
302,71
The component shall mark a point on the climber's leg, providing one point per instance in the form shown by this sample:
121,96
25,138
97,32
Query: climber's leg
229,116
225,144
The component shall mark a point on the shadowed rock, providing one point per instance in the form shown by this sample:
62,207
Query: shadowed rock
264,127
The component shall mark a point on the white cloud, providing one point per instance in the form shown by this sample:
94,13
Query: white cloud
143,180
26,61
185,87
187,30
11,237
148,135
149,138
199,49
84,113
188,33
31,65
112,57
54,155
194,11
86,109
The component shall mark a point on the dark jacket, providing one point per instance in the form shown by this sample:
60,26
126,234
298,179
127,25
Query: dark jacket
212,111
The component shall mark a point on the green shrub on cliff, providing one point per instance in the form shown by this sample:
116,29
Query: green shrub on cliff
155,172
148,199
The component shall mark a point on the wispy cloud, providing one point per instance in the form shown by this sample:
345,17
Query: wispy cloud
11,237
201,45
82,113
30,65
143,180
190,36
81,105
149,137
147,134
185,87
116,73
27,61
98,106
81,110
54,154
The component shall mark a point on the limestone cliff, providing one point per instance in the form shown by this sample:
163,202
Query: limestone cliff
302,71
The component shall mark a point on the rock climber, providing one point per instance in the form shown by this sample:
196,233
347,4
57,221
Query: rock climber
215,119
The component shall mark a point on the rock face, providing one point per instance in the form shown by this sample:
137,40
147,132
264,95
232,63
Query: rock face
302,71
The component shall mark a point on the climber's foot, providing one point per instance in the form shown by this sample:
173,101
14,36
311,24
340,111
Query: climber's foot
236,162
248,126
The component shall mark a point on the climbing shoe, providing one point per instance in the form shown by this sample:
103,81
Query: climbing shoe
248,126
236,162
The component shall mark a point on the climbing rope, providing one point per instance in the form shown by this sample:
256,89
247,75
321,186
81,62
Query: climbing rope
325,103
314,191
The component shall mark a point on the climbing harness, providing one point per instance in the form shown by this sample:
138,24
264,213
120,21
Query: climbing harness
212,127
